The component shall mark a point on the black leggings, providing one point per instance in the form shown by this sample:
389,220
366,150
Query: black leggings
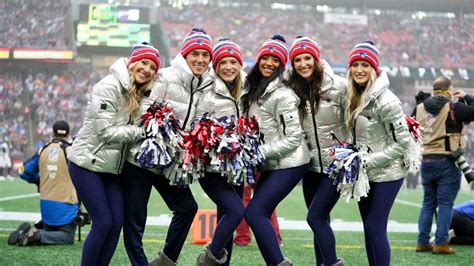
271,189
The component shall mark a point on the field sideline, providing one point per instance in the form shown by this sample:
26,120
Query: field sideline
18,196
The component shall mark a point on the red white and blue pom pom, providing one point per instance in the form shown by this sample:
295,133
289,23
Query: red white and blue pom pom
163,137
227,145
349,176
412,156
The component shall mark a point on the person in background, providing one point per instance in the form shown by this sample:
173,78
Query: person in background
5,160
275,106
58,199
375,117
322,95
443,121
462,224
99,151
180,85
223,100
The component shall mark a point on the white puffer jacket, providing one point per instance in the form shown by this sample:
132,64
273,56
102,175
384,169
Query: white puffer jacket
324,125
101,144
177,86
218,102
382,132
277,115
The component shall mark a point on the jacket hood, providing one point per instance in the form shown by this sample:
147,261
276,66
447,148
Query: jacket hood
328,76
434,104
119,69
380,85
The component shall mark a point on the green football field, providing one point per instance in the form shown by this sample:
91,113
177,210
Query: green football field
297,243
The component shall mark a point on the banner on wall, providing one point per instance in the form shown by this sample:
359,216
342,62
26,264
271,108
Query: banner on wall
4,53
41,54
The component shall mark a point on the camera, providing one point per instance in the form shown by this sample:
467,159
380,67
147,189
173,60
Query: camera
463,165
82,218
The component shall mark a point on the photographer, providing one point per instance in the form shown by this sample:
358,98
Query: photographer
443,120
58,199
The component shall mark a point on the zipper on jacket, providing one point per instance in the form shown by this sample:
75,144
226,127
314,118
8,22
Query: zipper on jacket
237,108
392,128
123,147
191,100
283,123
317,138
96,150
354,136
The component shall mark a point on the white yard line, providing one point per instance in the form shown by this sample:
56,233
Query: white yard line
408,203
32,195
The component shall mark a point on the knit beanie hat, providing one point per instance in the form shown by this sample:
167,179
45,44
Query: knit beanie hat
145,50
224,48
302,45
275,46
365,51
196,39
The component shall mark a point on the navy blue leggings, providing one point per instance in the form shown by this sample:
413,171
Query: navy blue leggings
311,183
272,187
230,209
138,183
102,196
374,211
318,219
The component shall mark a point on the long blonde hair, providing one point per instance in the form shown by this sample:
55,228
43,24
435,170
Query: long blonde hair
356,97
136,91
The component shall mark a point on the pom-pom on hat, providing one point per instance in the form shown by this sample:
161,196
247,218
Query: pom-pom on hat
275,46
365,51
61,128
224,48
302,45
196,39
145,50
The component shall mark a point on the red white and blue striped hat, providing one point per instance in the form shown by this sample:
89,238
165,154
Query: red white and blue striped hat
145,50
365,51
302,45
196,39
275,46
224,48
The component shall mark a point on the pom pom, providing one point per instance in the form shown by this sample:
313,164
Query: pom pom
278,37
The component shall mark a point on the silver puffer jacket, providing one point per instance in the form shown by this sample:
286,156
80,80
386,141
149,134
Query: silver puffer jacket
177,86
277,115
382,132
326,125
218,102
101,144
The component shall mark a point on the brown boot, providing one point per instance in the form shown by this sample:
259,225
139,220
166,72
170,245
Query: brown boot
424,248
285,262
443,249
339,262
162,260
207,258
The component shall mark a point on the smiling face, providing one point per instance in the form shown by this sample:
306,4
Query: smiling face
268,64
198,61
304,65
360,72
228,69
144,70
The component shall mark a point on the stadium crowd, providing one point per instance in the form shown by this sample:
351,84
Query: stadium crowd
44,28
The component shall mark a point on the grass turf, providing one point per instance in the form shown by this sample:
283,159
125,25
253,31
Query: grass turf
297,244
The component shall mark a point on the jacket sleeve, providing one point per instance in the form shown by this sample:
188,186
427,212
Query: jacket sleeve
103,111
393,118
464,111
29,170
286,112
